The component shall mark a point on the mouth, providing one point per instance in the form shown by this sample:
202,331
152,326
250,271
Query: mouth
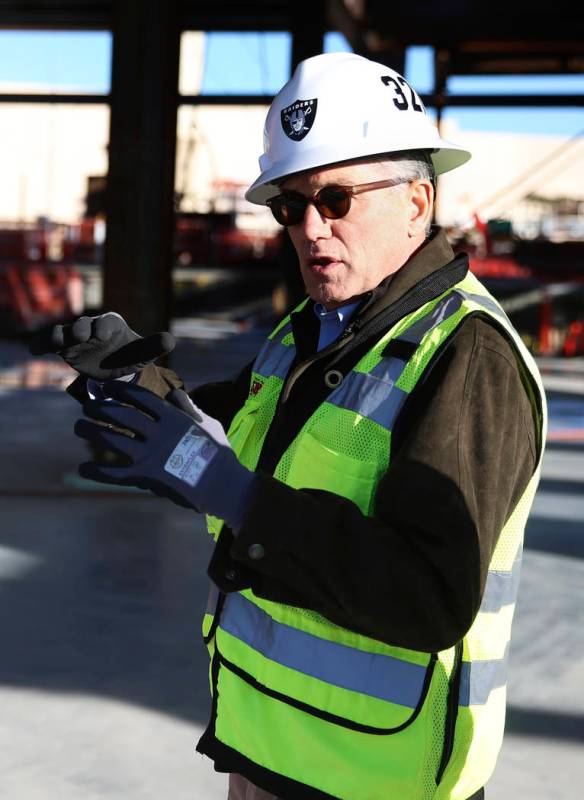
322,264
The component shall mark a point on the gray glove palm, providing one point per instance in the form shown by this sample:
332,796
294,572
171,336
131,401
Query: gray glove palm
103,347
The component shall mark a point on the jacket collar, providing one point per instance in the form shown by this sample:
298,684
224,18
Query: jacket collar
430,259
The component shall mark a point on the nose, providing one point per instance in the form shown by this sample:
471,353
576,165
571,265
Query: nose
314,225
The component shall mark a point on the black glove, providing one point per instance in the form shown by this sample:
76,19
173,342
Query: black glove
103,347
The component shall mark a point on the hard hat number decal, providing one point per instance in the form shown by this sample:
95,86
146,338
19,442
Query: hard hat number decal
401,101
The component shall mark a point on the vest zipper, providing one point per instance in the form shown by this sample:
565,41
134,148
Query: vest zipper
451,713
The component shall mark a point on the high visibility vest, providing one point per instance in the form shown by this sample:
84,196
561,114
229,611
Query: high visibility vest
348,715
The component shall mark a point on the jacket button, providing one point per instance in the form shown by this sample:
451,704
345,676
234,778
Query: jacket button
231,574
333,378
256,551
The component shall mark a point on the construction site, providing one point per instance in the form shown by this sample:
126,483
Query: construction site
131,199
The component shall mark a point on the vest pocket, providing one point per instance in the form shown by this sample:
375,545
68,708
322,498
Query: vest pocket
378,691
321,467
323,714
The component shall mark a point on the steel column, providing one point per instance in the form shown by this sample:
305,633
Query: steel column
140,192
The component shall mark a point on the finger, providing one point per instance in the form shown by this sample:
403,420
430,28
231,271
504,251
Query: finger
141,351
109,324
166,341
103,474
180,399
107,439
126,417
136,396
79,331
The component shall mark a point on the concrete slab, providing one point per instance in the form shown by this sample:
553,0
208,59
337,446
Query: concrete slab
103,676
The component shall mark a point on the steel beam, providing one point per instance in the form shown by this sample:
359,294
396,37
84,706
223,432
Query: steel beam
61,99
308,30
504,100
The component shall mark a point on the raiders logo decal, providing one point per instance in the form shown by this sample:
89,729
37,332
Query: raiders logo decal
297,119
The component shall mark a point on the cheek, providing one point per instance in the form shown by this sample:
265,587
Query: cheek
363,242
294,238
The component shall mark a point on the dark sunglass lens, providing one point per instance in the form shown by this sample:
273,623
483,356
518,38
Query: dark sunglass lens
277,209
288,209
333,201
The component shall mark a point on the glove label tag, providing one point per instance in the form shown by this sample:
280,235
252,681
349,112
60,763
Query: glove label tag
190,457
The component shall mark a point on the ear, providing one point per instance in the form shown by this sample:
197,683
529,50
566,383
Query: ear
421,203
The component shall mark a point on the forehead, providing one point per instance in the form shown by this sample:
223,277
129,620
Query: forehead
342,174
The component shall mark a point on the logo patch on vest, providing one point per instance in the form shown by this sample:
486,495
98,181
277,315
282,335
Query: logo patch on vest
255,387
298,118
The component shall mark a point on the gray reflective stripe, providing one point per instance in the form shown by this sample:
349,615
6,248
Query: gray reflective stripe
445,308
389,369
371,397
274,358
371,674
486,302
374,394
283,332
501,588
212,598
479,678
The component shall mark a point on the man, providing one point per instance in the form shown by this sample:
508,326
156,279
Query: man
370,498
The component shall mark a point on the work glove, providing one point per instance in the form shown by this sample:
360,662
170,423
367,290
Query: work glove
182,456
103,347
211,426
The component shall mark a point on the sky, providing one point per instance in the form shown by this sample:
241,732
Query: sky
259,63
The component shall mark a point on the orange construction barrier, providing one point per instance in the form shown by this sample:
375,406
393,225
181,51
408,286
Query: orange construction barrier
32,295
574,341
545,326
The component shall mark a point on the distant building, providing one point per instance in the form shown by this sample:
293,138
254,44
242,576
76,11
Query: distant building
523,178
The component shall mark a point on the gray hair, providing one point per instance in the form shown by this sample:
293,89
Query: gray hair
414,163
410,165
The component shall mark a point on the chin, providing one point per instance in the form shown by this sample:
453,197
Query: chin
325,295
331,301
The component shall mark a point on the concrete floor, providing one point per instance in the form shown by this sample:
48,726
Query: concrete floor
103,676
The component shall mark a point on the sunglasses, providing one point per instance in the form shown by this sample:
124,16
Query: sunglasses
332,202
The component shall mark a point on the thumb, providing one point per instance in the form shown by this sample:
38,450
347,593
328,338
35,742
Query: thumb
141,351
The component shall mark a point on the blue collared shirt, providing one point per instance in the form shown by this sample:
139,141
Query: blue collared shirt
333,323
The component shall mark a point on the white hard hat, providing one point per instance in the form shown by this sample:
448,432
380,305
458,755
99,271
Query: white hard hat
339,107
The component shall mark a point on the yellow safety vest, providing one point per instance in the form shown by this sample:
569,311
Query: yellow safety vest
348,715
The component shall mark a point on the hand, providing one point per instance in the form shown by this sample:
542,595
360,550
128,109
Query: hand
210,425
168,452
103,347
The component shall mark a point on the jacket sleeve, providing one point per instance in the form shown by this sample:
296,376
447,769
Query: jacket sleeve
412,574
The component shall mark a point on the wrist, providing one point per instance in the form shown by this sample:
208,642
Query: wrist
227,489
